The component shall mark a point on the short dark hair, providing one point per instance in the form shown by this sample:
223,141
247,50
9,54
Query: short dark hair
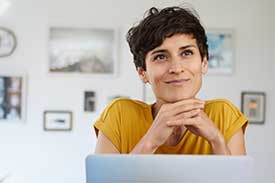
160,24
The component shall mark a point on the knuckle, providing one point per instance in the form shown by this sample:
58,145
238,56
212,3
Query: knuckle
164,107
186,115
194,112
197,118
183,118
199,115
168,122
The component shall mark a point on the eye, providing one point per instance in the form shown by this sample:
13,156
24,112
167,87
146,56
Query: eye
160,57
187,53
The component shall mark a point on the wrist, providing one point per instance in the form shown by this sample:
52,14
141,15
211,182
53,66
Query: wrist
145,146
217,141
149,145
218,145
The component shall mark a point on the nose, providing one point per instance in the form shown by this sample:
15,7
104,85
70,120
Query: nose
176,68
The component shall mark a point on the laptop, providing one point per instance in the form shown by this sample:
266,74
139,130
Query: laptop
168,169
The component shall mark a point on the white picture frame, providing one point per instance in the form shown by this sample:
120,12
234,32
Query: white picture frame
221,49
83,50
57,120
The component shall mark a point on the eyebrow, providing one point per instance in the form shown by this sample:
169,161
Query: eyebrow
187,46
181,48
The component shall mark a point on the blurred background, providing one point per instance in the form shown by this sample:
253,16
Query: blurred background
29,153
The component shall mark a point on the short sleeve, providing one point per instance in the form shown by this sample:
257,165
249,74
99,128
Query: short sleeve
109,123
234,119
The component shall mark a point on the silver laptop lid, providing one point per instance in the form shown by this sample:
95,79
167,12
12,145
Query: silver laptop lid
168,168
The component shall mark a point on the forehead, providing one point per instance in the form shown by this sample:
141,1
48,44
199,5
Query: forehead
176,41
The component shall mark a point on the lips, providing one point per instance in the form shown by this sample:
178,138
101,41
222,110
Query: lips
177,81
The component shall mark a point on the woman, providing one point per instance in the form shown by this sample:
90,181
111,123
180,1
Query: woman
170,52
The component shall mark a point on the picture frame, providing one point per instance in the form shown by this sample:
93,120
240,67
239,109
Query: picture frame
12,97
89,101
253,106
57,120
221,48
83,50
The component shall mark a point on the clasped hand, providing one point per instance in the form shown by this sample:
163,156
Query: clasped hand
188,113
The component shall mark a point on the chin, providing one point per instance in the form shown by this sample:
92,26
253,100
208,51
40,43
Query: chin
173,99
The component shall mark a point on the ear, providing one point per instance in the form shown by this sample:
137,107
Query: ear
142,74
204,65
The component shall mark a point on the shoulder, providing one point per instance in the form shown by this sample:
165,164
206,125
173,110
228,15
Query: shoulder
120,108
218,101
222,109
124,111
220,104
226,116
122,104
126,102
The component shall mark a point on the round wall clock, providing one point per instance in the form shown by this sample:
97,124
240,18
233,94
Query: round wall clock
7,42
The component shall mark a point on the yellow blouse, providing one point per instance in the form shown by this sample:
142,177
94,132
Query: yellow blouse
125,122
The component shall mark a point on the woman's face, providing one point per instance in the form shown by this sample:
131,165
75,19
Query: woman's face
174,69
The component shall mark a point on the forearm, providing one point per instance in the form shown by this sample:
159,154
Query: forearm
144,146
219,146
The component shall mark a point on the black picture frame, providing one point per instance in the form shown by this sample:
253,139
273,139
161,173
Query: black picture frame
89,101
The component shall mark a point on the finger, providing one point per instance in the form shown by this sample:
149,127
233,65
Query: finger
173,109
186,121
187,107
187,101
188,114
174,123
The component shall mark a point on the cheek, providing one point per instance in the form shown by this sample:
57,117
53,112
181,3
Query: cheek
156,74
195,69
197,66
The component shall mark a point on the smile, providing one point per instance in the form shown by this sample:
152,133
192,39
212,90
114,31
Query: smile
177,82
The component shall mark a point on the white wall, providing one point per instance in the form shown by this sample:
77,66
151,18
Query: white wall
31,155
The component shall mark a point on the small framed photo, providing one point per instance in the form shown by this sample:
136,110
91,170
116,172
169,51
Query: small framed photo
253,106
57,120
221,51
12,97
89,101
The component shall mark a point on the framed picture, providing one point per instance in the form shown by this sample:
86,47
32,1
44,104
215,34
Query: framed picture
148,94
82,50
12,97
221,51
57,120
89,101
253,106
